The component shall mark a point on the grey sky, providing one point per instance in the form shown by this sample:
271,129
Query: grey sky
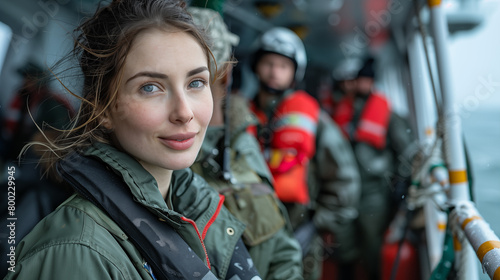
475,61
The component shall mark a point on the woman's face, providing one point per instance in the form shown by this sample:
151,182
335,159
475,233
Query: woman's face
164,102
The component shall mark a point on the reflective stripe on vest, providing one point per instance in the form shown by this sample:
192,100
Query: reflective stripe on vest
373,123
297,120
372,127
292,145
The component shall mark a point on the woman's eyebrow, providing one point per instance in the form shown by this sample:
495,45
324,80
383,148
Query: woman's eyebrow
196,71
149,74
163,76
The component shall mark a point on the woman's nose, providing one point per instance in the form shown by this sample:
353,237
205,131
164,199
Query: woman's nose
181,110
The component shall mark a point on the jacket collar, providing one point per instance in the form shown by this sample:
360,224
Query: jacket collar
190,194
141,183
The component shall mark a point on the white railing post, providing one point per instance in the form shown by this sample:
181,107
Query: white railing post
453,142
466,263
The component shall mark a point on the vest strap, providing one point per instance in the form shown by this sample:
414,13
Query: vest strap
163,248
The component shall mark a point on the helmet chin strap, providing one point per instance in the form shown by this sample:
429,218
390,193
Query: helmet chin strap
271,90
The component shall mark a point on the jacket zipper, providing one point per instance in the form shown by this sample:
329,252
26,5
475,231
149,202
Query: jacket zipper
209,223
199,236
212,220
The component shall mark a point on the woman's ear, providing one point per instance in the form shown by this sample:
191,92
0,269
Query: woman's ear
106,120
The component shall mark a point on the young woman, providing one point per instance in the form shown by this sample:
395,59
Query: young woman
145,109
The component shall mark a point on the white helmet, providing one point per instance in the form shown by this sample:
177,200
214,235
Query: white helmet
285,42
347,69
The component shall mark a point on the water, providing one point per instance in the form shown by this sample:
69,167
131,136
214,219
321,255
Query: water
482,135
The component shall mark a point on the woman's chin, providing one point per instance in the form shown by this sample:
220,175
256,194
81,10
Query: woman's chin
181,164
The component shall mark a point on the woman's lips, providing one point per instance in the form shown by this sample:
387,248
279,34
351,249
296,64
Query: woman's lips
179,142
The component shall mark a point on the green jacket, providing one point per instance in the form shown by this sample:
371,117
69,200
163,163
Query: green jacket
334,179
250,197
79,241
379,168
335,191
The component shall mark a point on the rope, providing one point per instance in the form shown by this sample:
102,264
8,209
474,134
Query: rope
426,50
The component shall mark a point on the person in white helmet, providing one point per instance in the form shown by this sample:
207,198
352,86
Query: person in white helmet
312,164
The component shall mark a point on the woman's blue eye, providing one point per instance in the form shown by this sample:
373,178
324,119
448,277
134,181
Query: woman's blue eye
150,88
197,84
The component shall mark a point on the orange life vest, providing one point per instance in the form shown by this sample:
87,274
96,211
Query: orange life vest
290,144
373,123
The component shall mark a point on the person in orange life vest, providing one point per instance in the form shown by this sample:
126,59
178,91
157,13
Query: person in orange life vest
380,139
315,173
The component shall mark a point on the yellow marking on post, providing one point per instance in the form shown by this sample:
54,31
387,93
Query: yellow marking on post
457,176
433,3
466,221
441,226
496,275
486,247
456,244
429,131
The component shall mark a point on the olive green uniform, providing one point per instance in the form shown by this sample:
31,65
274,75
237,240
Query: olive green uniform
334,189
79,241
383,174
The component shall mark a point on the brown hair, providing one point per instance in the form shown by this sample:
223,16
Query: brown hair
101,47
